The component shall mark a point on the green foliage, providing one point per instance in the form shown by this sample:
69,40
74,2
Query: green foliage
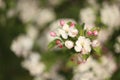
52,44
98,51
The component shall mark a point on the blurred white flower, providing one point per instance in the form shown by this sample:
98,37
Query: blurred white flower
28,9
93,70
22,45
2,4
117,45
95,43
33,65
93,3
118,39
11,13
87,16
32,31
104,35
69,44
110,15
45,16
55,2
83,45
88,26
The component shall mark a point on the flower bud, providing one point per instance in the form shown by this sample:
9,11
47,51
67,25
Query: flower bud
60,45
72,25
95,33
53,34
89,33
58,42
62,22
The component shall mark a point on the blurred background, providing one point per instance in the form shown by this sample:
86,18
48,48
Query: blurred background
24,36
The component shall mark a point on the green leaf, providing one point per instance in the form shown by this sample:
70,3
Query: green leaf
97,51
83,25
85,56
82,32
71,64
69,23
78,27
52,44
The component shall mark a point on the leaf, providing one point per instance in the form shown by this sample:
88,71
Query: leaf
69,23
98,50
52,44
85,56
78,27
83,25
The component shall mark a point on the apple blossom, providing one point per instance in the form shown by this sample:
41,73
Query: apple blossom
63,34
83,44
73,32
69,44
73,37
66,27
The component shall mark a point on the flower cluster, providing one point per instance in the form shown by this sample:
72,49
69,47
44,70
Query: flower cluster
79,39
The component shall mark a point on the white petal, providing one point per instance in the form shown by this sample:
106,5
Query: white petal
69,44
63,34
66,27
78,48
73,32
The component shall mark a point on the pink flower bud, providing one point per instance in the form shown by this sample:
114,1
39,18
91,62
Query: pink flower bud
95,33
60,45
58,42
72,24
62,22
53,34
89,33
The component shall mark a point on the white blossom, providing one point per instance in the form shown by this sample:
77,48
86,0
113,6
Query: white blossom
88,26
110,15
87,16
95,43
45,16
55,2
83,45
104,35
63,33
22,45
73,32
2,4
117,45
28,9
69,44
66,31
32,31
93,70
33,64
45,38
